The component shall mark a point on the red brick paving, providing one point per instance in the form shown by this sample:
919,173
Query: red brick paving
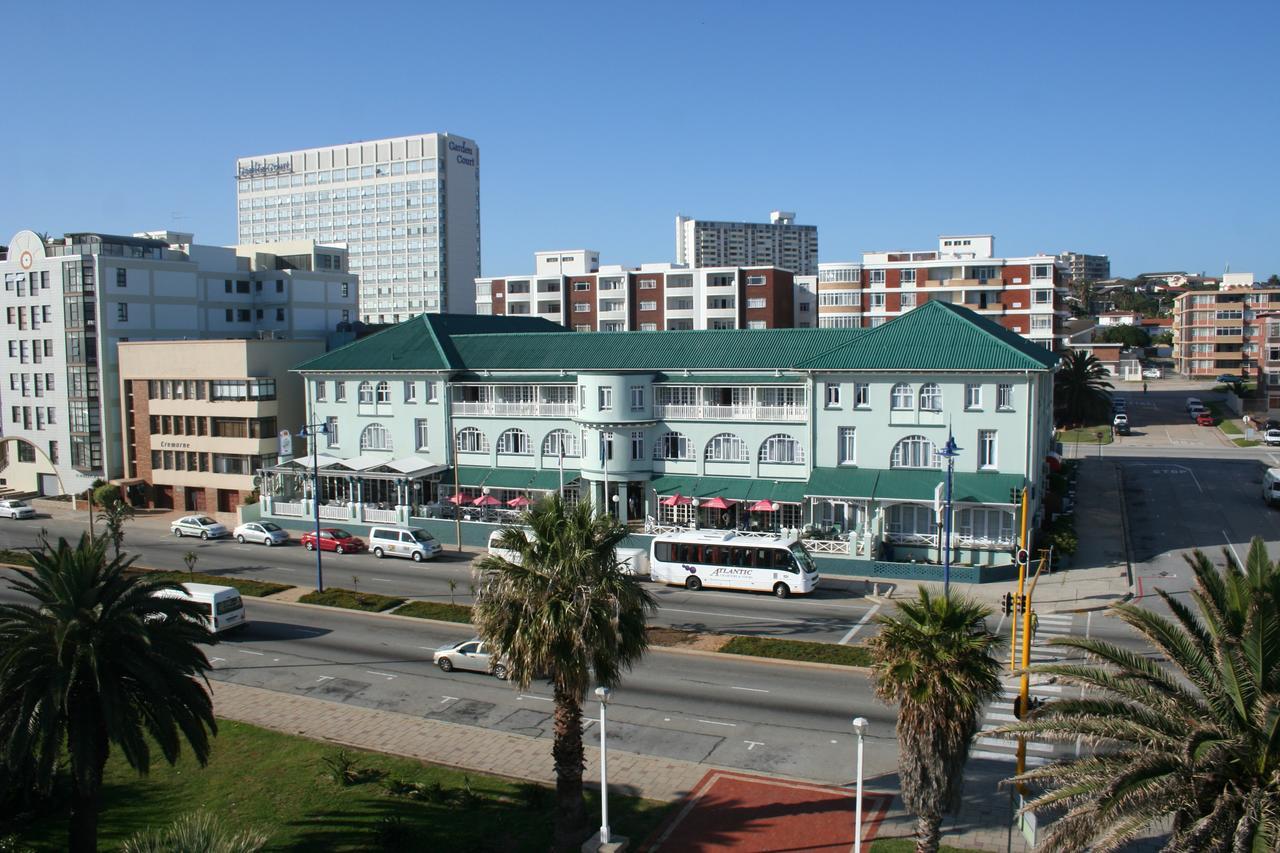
757,814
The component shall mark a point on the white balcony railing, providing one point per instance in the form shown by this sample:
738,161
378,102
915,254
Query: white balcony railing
826,546
755,413
286,508
545,410
335,513
383,516
930,539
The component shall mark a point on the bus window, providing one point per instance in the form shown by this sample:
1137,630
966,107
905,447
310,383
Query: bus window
741,557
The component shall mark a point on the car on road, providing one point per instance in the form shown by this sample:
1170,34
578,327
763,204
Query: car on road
1119,419
16,509
1152,373
199,525
1194,402
262,532
1122,429
471,655
1205,419
1272,438
1197,411
334,539
417,545
1228,379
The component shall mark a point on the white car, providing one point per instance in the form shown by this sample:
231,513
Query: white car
199,525
1152,373
1272,438
16,509
263,532
1120,420
471,655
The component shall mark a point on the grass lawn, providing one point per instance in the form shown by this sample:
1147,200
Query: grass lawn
907,845
1245,442
276,782
251,588
767,647
1085,435
351,600
436,610
16,558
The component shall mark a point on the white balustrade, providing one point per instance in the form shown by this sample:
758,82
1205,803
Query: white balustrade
826,546
335,513
383,516
286,508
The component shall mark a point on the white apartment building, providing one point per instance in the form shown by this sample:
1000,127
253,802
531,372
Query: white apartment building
1023,294
70,301
778,242
407,209
1082,267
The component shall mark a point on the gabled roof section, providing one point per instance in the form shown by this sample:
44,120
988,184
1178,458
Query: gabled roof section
936,336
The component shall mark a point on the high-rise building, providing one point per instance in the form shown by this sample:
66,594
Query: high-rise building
1080,267
1233,330
778,242
407,209
69,302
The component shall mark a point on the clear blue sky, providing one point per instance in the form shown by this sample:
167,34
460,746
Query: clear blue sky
1143,130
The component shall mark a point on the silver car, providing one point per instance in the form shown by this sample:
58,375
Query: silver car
471,655
16,509
261,532
198,525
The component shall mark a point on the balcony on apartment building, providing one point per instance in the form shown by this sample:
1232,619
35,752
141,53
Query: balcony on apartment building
544,401
731,403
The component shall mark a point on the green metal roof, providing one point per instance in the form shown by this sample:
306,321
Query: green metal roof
984,487
842,483
897,484
548,479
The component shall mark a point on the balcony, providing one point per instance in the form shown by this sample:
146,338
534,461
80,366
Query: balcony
792,414
517,409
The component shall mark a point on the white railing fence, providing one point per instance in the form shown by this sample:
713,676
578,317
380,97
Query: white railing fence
286,508
336,513
384,516
826,546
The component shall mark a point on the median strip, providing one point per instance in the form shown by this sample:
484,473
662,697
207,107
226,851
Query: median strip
351,600
245,586
435,610
797,650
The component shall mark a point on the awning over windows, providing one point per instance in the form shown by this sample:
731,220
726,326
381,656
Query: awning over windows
857,483
547,479
842,483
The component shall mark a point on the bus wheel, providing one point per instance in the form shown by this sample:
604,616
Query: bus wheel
694,583
781,590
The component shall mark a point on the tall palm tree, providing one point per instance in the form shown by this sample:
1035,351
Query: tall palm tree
1191,743
1081,387
566,610
98,661
936,659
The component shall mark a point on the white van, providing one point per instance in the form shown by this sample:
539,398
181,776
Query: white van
417,545
1271,487
509,556
223,608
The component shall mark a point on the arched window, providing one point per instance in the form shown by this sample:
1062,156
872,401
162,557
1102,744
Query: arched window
514,441
931,397
472,440
727,447
915,451
366,394
900,397
375,437
781,448
674,446
384,392
560,441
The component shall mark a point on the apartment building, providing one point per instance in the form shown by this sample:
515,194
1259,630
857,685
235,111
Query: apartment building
1078,267
836,428
407,209
70,301
1232,330
780,242
571,288
1023,294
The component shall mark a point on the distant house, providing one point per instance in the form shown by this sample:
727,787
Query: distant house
1119,318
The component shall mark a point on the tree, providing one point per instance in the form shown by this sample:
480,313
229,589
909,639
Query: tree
936,659
1130,336
566,610
1162,339
96,661
115,512
1192,744
1080,386
1273,280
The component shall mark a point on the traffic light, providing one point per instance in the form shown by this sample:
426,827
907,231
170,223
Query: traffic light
1006,604
1022,603
1015,496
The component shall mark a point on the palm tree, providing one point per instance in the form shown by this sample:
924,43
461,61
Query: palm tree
936,659
1193,745
98,661
1080,386
563,609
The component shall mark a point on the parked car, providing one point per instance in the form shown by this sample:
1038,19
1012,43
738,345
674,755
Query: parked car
1152,373
199,525
1272,438
1197,411
264,532
1193,402
1271,424
1120,418
417,545
1122,429
333,539
472,655
1228,379
16,509
1205,419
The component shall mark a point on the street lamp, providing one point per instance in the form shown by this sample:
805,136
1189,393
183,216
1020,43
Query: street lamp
602,693
949,452
859,726
312,433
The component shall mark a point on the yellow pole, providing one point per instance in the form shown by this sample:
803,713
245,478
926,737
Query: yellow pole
1025,690
1022,579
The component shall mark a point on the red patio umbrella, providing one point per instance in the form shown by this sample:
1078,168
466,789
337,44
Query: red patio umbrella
519,501
486,500
675,500
458,498
718,503
764,505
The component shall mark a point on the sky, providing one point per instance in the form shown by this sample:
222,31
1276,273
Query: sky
1142,130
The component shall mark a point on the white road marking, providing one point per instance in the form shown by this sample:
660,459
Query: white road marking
1032,760
448,698
861,624
752,744
324,678
247,652
750,689
733,615
384,580
716,723
539,698
1234,553
388,676
1013,744
835,741
216,660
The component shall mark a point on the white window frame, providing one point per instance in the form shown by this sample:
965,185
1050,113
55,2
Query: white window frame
375,436
320,390
471,440
1004,397
557,439
831,395
411,391
422,433
972,397
988,449
862,395
637,398
726,447
782,449
915,452
931,397
847,446
604,396
673,447
514,442
902,398
365,393
383,393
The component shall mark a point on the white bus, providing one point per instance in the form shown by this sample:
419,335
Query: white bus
223,609
632,561
726,559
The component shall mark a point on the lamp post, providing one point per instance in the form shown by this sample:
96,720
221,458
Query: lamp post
949,452
602,693
859,726
312,433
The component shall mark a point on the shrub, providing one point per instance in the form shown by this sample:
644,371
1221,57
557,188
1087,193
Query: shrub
341,767
392,833
199,831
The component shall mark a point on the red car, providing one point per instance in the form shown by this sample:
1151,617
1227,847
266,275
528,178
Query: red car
333,539
1204,419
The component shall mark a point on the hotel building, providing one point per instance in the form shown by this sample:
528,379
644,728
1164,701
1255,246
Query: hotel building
407,209
776,243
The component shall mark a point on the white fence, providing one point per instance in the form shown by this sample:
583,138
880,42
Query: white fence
285,508
384,516
826,546
336,513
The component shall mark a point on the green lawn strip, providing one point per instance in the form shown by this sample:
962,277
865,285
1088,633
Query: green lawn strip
1246,442
1226,420
908,845
277,783
1085,435
251,588
352,600
803,650
435,610
16,558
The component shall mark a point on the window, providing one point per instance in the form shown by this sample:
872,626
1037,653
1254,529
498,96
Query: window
637,445
637,398
331,432
320,390
877,276
901,397
910,522
421,434
648,284
907,277
1042,271
915,451
122,277
781,448
605,398
581,307
514,441
674,446
846,446
973,397
411,392
877,301
986,448
431,391
726,447
861,395
582,285
471,440
560,442
384,393
931,397
1041,324
122,312
833,395
375,437
1004,398
365,394
1042,297
650,306
985,526
340,392
907,301
759,302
